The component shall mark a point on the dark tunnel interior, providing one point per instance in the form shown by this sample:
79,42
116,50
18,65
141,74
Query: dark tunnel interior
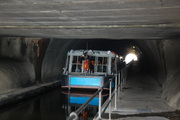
28,61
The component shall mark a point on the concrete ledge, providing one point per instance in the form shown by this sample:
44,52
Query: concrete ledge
24,93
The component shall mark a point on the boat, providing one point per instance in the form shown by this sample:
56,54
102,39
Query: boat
88,69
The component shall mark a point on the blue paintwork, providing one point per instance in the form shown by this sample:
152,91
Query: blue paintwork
113,84
82,100
84,81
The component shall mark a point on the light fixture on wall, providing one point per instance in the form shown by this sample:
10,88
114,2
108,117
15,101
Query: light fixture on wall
130,57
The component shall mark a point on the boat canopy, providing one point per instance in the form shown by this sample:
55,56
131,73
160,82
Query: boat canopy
90,62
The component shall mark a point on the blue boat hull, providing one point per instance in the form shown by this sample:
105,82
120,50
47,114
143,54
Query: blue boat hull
86,82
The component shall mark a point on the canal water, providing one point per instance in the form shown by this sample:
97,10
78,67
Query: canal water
54,105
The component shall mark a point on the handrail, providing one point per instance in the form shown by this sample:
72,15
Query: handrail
118,77
74,115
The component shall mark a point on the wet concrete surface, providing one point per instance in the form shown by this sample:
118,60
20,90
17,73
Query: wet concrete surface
16,95
175,115
141,100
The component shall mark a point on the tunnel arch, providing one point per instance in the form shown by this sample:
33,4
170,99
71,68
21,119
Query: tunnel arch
154,59
56,53
158,57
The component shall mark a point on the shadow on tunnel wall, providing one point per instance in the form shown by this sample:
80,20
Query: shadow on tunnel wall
20,62
55,58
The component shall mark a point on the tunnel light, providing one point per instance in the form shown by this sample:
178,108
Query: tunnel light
130,57
120,57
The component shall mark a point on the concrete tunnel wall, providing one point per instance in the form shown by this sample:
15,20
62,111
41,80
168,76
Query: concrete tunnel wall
55,58
19,62
160,56
171,86
16,63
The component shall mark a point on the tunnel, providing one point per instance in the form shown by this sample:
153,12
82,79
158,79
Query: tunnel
159,58
35,37
28,61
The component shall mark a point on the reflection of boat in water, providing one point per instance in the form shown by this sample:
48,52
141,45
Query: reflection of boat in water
88,69
73,100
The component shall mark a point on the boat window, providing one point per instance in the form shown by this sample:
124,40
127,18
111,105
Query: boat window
91,64
102,64
96,64
113,67
75,59
77,64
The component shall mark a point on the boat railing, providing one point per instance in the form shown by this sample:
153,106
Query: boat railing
120,80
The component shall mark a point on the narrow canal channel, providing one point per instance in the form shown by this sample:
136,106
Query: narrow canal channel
54,105
48,106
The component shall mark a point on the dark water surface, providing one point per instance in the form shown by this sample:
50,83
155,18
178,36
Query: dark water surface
48,106
53,105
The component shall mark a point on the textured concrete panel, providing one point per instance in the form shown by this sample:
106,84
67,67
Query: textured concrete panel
171,91
26,18
17,63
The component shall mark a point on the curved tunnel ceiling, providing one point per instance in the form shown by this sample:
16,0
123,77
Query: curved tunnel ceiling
56,53
111,19
154,59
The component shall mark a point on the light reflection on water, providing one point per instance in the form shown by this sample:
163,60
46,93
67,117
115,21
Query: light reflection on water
74,99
